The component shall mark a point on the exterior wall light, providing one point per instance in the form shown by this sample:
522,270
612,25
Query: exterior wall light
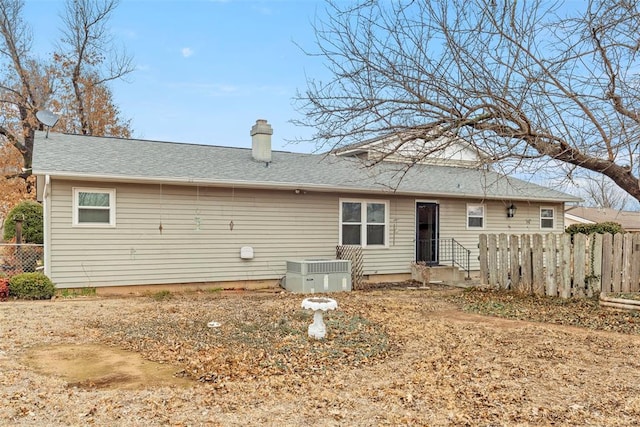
511,210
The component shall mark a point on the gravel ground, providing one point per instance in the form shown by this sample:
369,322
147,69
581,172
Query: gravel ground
392,357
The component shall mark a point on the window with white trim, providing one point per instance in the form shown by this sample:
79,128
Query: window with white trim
94,207
475,216
363,223
547,216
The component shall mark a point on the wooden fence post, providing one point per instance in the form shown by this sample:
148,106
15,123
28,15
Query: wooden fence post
484,265
514,247
579,245
493,261
503,248
595,259
526,275
552,265
616,273
607,263
537,265
635,263
627,246
565,265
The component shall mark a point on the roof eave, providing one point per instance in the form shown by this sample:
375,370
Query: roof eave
288,186
578,219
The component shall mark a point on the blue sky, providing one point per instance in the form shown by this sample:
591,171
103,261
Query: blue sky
206,70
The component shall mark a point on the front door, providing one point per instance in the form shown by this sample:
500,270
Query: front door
427,232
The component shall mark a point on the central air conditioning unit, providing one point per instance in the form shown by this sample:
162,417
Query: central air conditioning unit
318,275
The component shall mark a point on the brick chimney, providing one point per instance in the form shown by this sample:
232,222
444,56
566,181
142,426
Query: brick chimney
261,141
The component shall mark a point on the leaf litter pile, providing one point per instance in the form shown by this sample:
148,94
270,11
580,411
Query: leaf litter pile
391,357
261,336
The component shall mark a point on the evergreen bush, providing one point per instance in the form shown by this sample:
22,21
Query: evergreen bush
31,286
32,219
600,228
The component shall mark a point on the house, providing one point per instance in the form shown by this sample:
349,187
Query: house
135,212
629,220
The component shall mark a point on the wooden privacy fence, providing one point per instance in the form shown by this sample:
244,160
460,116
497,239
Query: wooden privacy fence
557,265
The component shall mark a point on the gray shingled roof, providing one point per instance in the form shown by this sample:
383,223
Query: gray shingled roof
101,158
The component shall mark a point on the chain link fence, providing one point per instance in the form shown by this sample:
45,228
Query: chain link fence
24,258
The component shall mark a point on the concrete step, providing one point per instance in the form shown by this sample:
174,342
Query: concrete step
446,274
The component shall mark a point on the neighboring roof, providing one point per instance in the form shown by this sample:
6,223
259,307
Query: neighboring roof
629,220
114,159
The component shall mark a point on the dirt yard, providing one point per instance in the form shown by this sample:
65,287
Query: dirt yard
391,357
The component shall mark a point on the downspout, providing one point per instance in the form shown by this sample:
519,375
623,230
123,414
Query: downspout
46,205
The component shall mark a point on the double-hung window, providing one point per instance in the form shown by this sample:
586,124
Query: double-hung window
94,207
547,216
475,216
363,223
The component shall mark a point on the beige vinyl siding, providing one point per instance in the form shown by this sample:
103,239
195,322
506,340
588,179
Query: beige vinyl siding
279,225
453,221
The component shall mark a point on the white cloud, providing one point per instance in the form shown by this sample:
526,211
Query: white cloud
224,89
263,10
212,89
127,33
187,52
229,89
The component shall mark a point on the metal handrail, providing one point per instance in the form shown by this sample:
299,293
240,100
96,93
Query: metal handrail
449,250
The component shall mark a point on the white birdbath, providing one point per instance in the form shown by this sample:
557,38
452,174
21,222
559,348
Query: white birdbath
317,329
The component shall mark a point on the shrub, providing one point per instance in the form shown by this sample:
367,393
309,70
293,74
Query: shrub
31,213
600,228
31,286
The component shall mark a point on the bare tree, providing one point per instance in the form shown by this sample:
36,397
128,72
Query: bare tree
23,87
527,83
98,115
600,192
84,63
88,60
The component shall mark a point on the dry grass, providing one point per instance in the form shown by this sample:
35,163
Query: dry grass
392,357
583,312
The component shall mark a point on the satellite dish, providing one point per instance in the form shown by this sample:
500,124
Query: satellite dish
47,118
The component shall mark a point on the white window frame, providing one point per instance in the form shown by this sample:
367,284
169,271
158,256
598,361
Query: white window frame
363,221
484,216
112,207
553,218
